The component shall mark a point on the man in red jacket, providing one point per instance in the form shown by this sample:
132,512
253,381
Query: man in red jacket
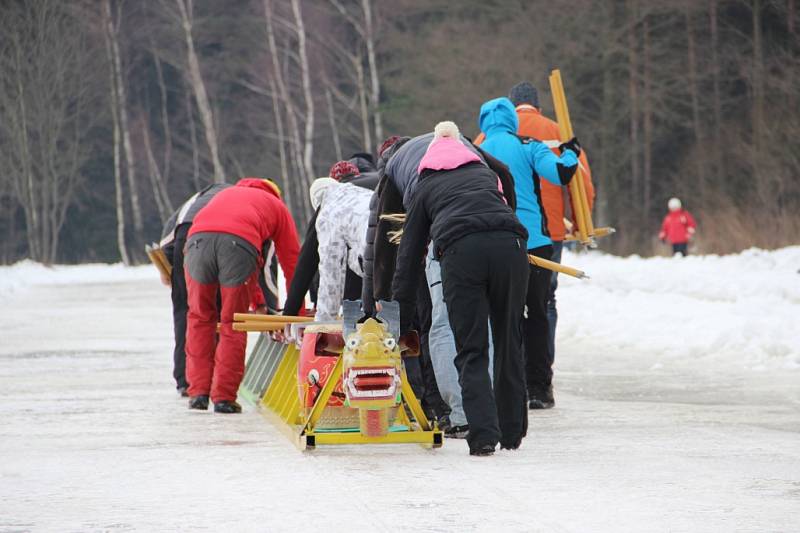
224,252
678,227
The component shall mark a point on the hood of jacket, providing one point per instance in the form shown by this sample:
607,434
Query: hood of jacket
498,115
446,154
364,161
258,183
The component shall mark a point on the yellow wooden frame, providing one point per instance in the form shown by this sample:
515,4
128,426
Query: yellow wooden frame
584,232
281,405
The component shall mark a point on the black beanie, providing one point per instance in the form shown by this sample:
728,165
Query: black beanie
524,93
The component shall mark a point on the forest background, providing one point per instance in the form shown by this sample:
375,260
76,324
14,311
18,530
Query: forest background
113,112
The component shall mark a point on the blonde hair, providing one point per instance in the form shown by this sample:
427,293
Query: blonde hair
398,219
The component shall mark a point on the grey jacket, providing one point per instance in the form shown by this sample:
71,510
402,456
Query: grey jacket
186,212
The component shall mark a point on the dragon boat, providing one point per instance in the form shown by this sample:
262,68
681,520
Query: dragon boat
337,382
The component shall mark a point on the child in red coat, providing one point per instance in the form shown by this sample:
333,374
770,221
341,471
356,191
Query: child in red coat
678,227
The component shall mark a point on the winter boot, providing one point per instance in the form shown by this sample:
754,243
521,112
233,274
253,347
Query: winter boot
183,391
199,402
457,432
511,444
227,407
444,424
483,450
541,400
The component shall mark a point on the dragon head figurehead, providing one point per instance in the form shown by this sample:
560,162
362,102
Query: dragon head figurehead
372,372
371,367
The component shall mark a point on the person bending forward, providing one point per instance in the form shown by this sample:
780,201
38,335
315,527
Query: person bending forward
481,246
225,252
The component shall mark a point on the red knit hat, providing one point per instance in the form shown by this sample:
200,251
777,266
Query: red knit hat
343,169
388,144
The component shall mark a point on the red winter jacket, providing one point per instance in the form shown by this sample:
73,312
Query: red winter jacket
678,227
253,211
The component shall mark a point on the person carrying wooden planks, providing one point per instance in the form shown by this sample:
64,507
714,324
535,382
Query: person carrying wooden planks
528,159
532,123
555,198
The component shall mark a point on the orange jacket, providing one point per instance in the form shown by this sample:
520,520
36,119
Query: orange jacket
533,124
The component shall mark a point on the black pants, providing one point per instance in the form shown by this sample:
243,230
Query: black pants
680,248
484,276
536,327
432,401
180,306
352,286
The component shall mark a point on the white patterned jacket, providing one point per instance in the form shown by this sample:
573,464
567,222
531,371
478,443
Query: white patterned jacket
342,231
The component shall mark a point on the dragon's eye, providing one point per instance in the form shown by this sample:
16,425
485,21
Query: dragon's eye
389,343
352,342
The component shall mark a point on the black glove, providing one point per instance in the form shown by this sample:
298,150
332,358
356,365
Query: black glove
571,144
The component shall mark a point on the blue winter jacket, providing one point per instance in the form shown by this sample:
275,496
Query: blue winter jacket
527,159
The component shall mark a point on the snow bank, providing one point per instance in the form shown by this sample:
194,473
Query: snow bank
26,274
738,309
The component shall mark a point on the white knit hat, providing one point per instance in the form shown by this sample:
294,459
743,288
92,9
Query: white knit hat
446,129
674,204
318,188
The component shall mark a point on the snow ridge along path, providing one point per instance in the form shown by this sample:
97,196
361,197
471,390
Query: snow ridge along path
678,409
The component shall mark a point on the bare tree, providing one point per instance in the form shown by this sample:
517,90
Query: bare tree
375,84
157,181
44,116
647,117
719,161
122,104
305,76
298,149
757,84
118,201
199,89
276,111
193,139
633,95
162,88
363,23
337,143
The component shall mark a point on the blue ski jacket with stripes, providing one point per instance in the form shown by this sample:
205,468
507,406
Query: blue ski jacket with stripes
527,159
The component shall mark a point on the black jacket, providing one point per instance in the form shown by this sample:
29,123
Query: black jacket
364,161
395,192
383,201
308,261
447,206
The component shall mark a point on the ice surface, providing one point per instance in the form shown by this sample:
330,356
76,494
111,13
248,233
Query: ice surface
678,409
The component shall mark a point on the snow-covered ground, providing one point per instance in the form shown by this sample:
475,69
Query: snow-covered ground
678,409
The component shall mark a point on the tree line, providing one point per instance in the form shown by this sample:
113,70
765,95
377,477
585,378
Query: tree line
112,112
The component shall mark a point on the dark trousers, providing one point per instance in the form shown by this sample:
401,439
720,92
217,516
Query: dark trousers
538,362
180,306
352,286
552,311
680,248
431,399
484,276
